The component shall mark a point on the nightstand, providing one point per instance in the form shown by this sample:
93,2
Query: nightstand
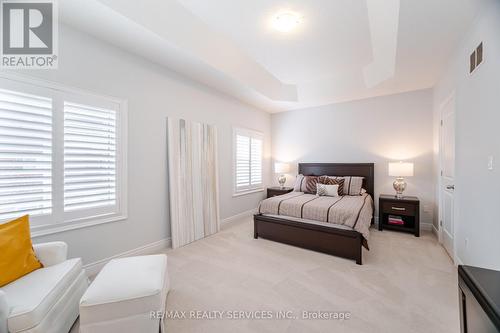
404,214
277,190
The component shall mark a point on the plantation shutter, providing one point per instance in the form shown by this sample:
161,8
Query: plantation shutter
242,162
248,161
25,154
89,157
255,162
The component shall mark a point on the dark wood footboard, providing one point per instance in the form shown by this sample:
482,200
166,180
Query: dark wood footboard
338,242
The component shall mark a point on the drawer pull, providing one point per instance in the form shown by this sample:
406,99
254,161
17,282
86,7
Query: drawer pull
399,208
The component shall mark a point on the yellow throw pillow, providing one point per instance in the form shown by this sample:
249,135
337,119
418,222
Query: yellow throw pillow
17,257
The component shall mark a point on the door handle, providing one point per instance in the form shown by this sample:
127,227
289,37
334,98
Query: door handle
450,187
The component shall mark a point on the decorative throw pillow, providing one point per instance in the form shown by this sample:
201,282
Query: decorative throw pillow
309,184
327,190
298,183
306,184
327,180
352,184
17,257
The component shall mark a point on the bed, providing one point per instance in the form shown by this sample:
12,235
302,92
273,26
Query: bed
307,221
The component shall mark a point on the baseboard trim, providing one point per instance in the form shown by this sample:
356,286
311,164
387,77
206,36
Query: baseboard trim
426,226
458,261
238,217
93,268
435,231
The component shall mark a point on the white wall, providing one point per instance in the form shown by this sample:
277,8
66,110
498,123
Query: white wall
153,94
379,130
477,100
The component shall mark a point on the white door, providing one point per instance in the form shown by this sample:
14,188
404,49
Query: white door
447,181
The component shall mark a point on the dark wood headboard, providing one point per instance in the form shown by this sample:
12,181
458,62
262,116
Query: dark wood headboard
342,169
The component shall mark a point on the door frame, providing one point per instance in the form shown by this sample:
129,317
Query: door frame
450,98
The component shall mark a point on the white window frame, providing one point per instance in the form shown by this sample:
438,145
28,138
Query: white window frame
252,134
58,220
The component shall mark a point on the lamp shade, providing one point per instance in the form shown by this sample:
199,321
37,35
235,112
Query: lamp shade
281,167
400,169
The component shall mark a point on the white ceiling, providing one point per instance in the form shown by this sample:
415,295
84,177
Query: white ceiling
333,36
231,45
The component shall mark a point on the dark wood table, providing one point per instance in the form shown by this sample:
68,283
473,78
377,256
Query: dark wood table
278,190
408,208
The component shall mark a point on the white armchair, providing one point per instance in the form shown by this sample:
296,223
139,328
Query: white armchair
4,312
51,253
45,300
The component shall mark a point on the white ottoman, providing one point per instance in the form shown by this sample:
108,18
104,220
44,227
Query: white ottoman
124,295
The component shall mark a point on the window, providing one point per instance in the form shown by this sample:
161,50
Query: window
62,156
25,154
89,157
247,161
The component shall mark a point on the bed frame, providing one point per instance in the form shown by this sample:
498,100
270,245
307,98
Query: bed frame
339,242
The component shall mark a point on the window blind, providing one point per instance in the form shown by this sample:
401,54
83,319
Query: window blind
62,156
25,154
242,162
89,157
255,162
248,161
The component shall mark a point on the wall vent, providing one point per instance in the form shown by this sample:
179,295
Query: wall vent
476,58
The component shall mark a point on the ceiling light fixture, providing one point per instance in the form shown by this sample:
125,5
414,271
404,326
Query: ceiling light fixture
286,21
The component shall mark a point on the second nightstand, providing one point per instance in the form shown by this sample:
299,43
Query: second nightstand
277,190
399,214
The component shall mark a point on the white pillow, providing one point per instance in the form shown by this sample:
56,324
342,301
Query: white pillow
327,190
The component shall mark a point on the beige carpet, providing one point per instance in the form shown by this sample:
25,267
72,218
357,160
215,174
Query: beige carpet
406,284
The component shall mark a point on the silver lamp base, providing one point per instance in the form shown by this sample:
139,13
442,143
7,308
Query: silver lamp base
282,180
399,185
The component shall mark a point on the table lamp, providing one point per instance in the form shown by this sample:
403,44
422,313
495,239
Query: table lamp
281,168
400,170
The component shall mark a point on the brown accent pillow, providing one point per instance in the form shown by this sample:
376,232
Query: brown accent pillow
327,180
309,184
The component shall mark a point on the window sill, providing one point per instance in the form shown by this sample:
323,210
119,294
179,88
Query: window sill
49,229
239,194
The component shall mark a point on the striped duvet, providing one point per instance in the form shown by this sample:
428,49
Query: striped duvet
349,211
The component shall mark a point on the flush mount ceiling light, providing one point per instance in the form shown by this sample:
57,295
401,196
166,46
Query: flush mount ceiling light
286,21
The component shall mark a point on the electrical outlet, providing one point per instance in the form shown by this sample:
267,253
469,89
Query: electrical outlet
490,162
